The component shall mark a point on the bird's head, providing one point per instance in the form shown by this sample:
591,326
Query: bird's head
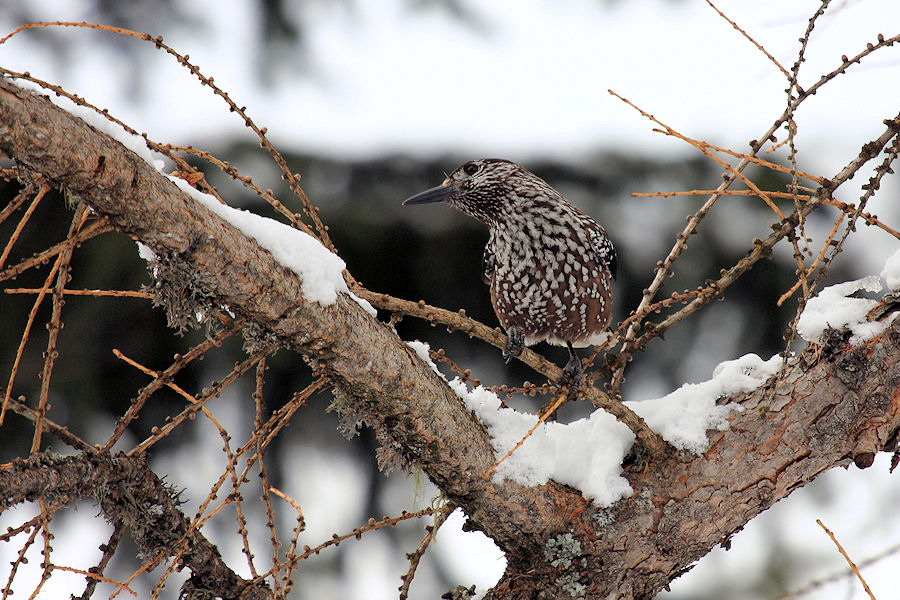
485,188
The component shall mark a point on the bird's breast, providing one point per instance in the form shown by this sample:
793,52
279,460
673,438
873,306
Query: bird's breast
546,286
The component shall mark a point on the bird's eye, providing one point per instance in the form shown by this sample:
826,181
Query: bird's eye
470,169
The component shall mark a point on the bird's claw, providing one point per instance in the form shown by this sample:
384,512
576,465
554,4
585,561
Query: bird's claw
515,343
572,375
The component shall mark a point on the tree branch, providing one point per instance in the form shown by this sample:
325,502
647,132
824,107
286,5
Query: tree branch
129,495
413,411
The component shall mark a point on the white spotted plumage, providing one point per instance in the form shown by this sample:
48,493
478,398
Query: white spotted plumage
549,265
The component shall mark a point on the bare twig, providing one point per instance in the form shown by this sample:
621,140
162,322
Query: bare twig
749,39
180,363
109,550
430,531
847,558
543,417
62,278
21,224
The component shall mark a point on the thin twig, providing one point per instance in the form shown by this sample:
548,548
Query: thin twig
286,579
180,363
54,326
546,415
430,531
161,432
61,432
96,293
847,558
28,324
21,224
108,549
750,39
98,227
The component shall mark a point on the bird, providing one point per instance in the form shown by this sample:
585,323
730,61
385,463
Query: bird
549,265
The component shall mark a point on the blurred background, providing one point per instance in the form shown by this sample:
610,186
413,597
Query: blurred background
372,102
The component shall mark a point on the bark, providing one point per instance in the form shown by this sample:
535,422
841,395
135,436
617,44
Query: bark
130,495
833,405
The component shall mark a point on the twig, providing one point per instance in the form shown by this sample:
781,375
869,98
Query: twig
96,293
180,363
464,374
847,558
16,202
791,127
108,549
21,224
806,589
287,581
54,326
96,228
61,432
357,533
430,531
173,386
28,324
96,577
818,259
556,404
20,557
161,432
259,404
750,39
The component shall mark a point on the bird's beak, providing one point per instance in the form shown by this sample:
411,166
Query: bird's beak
435,194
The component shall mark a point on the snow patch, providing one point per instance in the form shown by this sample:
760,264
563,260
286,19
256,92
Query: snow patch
149,256
587,454
891,272
320,270
834,308
421,349
145,252
683,417
135,143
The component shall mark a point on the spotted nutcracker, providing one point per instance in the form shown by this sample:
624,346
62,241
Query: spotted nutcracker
549,266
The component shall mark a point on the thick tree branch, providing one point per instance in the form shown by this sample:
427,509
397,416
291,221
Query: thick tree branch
130,495
834,404
386,384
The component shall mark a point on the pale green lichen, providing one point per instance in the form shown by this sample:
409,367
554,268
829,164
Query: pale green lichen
604,517
560,550
569,584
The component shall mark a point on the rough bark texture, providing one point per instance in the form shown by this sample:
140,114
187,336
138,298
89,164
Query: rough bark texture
833,406
131,495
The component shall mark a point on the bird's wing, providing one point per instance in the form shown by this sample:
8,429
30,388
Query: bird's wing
487,264
604,249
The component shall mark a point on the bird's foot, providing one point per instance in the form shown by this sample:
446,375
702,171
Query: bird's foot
515,343
572,374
